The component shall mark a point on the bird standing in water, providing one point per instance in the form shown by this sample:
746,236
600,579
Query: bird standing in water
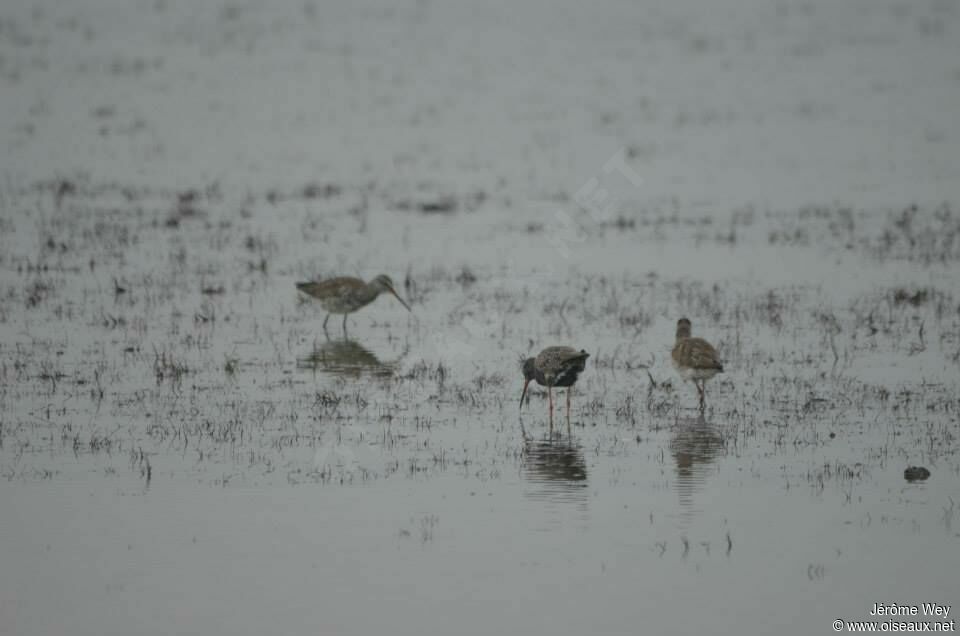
695,359
554,366
345,294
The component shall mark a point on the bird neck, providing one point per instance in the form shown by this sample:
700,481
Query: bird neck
370,292
541,378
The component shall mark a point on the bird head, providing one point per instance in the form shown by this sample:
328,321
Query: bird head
383,284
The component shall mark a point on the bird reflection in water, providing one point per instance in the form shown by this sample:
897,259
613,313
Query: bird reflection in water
346,358
694,446
557,470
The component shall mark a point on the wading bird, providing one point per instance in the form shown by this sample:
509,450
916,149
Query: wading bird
695,359
554,366
345,294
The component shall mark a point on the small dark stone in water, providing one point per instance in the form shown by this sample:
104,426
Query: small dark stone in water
466,277
901,296
832,435
443,205
916,473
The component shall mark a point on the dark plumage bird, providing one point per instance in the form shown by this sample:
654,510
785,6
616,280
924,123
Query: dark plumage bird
345,294
554,367
695,359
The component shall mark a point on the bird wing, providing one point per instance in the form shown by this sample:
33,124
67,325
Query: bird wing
556,362
330,287
559,356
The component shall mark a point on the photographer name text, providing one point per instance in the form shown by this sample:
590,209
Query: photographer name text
924,609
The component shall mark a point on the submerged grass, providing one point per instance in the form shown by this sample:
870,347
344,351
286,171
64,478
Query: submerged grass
181,344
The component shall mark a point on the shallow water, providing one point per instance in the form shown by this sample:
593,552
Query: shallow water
182,444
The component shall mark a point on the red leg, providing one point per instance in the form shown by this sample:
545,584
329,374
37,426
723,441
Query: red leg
550,398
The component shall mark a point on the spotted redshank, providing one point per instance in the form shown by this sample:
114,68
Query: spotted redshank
695,359
345,294
554,366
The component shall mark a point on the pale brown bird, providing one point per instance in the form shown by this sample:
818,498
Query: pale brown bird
346,294
695,359
554,366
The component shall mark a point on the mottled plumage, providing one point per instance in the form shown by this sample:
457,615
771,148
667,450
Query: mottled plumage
345,294
554,366
695,359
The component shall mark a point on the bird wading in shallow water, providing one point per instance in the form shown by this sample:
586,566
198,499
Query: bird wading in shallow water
345,294
554,367
695,359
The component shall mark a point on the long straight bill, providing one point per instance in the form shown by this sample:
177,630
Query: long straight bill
524,394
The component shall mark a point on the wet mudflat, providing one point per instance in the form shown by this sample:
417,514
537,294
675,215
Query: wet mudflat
181,439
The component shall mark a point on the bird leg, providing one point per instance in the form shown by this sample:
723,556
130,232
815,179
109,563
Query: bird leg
345,323
325,322
701,387
569,388
550,399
